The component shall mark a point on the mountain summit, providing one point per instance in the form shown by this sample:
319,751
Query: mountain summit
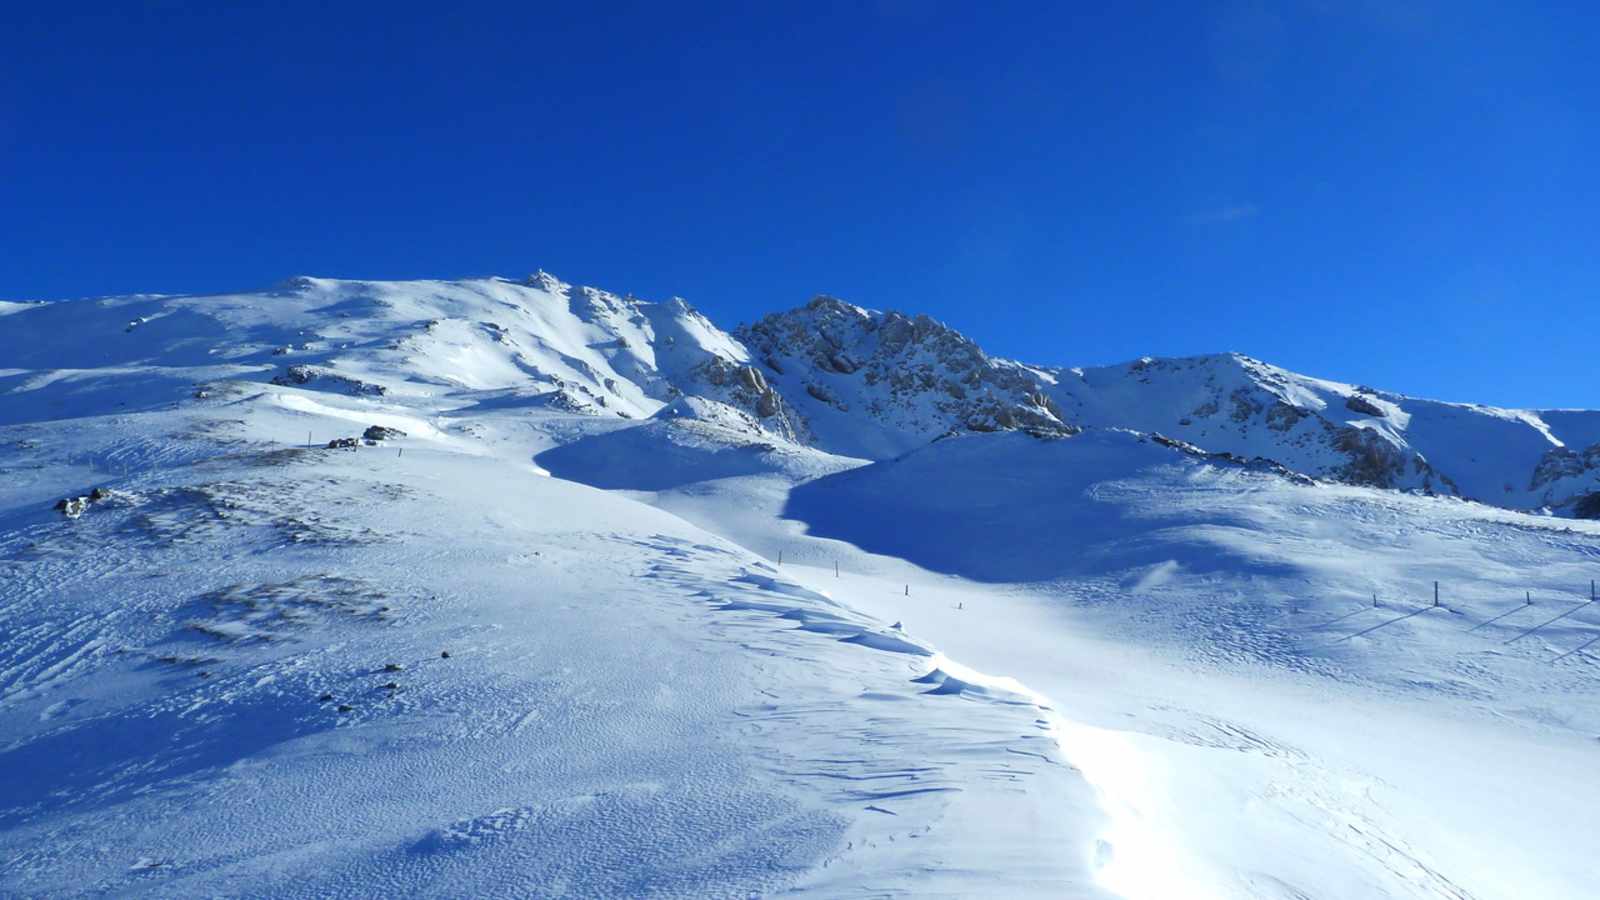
829,375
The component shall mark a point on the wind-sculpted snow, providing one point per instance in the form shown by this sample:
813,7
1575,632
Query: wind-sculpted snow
1242,563
419,668
517,588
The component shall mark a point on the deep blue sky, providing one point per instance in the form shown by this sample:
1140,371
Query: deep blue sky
1402,194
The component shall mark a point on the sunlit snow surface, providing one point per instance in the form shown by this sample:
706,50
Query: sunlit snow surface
689,660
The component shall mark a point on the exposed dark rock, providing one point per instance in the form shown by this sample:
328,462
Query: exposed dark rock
1244,405
344,443
72,507
910,372
296,376
1374,460
1259,463
1282,416
1359,404
1588,506
1564,462
381,433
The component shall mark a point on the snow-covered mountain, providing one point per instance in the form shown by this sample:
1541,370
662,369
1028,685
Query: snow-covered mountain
829,375
1523,459
519,588
879,384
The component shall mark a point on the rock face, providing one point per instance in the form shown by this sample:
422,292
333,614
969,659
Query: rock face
1563,462
1588,506
1359,404
878,384
1565,476
744,388
381,433
1374,460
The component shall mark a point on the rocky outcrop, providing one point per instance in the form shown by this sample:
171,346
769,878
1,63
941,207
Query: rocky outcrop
1257,464
72,507
381,433
1588,506
909,374
1564,462
1357,403
1374,460
300,376
745,388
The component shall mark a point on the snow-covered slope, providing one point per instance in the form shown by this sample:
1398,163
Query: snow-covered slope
539,343
1252,669
615,603
422,667
829,375
1523,459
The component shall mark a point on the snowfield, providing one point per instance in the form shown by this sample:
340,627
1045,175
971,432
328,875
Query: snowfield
610,602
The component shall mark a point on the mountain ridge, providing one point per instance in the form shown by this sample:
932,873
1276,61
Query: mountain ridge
843,378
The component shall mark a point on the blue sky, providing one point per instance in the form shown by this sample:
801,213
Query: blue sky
1401,194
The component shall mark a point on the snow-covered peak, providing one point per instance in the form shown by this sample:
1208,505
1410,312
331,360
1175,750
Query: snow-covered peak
877,384
1233,403
829,374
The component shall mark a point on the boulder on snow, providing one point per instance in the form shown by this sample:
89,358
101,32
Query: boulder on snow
1359,404
298,376
381,433
295,375
344,443
72,507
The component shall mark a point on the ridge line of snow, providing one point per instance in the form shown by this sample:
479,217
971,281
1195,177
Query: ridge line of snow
1136,856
